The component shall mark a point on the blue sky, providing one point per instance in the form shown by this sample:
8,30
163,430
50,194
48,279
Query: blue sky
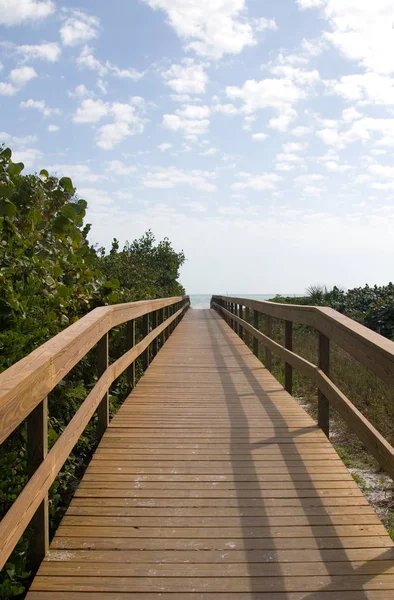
257,135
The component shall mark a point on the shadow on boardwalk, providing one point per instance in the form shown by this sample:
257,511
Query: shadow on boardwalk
218,330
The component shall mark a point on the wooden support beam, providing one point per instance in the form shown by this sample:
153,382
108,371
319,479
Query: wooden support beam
155,345
268,353
145,332
102,366
240,314
256,326
37,449
130,334
247,318
288,367
323,406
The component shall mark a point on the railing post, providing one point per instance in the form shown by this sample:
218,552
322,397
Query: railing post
37,449
165,332
130,334
256,326
236,314
102,366
323,406
240,314
289,346
247,334
145,331
155,345
268,333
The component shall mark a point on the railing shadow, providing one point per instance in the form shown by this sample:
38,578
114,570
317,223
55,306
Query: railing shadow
219,331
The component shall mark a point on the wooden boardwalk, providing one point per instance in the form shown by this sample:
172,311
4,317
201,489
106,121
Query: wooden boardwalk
211,482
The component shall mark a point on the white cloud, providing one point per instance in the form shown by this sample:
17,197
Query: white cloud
7,89
364,88
14,140
86,59
120,168
226,109
209,152
266,181
53,128
350,114
28,156
260,137
91,111
127,122
49,51
361,30
78,173
280,94
335,167
164,147
191,120
15,12
79,29
41,106
301,131
215,27
196,207
79,91
303,4
188,78
96,197
293,147
171,177
22,75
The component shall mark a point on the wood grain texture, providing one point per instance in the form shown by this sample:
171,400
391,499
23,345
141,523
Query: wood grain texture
26,383
329,392
18,517
212,483
370,348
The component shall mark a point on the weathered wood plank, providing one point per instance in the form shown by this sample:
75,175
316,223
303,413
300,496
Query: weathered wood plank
210,462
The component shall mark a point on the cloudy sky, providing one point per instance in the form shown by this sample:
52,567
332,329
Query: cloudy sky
258,135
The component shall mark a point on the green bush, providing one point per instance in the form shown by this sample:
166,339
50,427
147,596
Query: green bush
50,276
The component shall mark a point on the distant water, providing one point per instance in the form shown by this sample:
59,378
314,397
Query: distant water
203,300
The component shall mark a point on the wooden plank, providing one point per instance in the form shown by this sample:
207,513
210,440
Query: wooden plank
26,383
24,507
103,407
323,406
37,449
288,367
210,462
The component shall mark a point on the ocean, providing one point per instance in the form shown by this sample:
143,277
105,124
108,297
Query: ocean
203,300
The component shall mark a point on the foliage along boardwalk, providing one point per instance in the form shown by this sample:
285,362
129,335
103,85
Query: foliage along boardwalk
211,482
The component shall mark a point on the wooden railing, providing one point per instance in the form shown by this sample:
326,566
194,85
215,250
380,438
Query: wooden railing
25,386
369,348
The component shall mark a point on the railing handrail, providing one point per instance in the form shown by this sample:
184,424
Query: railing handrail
27,382
368,347
231,309
33,377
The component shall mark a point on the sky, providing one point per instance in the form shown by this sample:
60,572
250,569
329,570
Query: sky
257,135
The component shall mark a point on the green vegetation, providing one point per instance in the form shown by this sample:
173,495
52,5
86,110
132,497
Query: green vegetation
374,308
50,276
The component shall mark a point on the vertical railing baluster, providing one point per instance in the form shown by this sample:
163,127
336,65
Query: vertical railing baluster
247,317
268,333
289,346
102,366
145,332
130,340
240,314
256,326
37,449
323,406
155,344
